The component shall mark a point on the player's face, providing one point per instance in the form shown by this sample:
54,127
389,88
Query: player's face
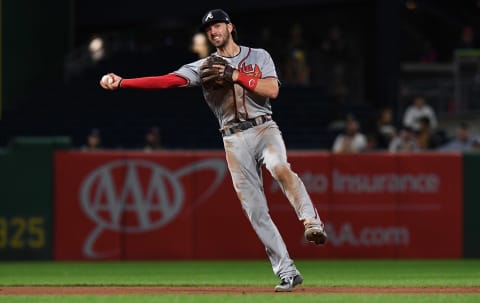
218,34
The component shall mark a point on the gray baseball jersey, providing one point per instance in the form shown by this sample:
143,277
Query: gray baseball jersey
255,62
248,150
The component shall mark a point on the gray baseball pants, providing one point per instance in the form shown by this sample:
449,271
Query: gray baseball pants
246,153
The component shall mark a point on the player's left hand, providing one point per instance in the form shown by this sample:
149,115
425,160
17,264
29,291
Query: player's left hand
226,72
216,72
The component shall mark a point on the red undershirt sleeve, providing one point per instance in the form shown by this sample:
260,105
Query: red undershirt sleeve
156,82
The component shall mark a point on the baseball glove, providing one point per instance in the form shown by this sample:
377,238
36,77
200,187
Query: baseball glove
210,75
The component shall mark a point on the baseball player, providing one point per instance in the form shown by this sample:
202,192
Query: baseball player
238,83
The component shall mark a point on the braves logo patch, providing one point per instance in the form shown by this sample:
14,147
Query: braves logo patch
250,70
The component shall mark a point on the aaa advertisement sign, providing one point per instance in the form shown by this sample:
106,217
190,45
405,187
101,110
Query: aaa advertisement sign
380,205
181,205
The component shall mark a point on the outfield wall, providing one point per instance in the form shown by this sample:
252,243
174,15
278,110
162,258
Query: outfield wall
26,198
471,184
181,205
128,205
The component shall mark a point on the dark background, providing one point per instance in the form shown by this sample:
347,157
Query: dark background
50,84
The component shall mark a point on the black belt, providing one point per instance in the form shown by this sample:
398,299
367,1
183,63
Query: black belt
244,125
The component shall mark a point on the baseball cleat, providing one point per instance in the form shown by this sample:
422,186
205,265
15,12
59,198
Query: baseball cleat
315,233
287,284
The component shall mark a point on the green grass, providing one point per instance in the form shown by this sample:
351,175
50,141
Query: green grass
327,273
243,273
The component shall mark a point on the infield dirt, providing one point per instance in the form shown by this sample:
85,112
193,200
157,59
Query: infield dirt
125,290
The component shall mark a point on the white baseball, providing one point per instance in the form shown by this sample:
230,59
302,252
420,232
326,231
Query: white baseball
107,79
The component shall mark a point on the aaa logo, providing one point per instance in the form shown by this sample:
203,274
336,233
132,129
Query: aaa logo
151,194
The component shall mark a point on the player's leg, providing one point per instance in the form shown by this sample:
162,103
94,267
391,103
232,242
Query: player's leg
247,181
275,159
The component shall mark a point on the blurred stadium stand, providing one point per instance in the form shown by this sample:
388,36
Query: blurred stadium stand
149,38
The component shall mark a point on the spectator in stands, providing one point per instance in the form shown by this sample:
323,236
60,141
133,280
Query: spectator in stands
467,38
424,134
476,145
93,141
404,141
416,111
386,131
372,142
335,45
352,140
200,45
152,140
265,40
335,49
296,68
462,142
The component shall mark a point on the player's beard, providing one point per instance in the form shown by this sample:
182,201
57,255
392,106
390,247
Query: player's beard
223,41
